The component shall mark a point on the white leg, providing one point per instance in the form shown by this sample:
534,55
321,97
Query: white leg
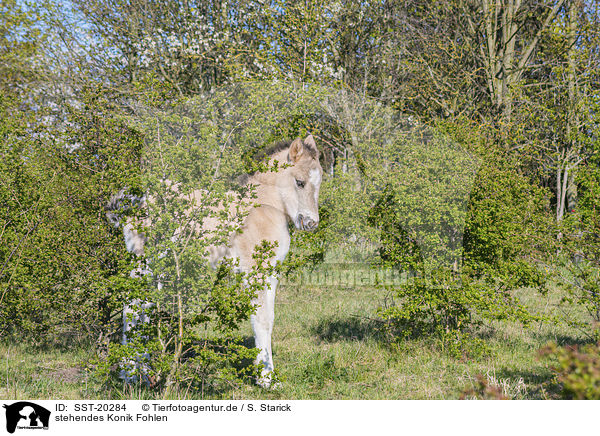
135,312
262,324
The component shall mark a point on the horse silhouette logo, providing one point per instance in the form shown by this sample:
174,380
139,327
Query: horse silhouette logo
26,415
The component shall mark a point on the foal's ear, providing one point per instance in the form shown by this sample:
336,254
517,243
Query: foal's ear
296,150
309,141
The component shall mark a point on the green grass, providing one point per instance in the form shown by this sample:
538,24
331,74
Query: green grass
28,373
325,347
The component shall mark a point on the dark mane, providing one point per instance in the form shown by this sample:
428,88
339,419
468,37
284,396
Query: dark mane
271,150
262,154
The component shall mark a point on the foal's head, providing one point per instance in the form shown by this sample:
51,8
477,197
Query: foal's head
299,183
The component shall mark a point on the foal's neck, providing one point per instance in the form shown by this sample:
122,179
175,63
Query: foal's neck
267,192
268,195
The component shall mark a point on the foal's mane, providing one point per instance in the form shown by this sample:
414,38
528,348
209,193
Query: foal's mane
280,146
264,153
272,149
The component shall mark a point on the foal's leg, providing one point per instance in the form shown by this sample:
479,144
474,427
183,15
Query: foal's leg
135,312
262,324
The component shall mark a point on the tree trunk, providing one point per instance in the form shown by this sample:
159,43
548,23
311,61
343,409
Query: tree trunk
562,177
572,121
504,66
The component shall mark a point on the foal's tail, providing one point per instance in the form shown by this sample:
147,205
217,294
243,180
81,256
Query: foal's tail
113,205
118,205
121,202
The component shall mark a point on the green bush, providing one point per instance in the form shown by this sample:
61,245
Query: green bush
508,231
470,241
63,273
577,370
576,268
191,348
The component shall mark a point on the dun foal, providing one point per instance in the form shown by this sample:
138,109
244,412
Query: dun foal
289,194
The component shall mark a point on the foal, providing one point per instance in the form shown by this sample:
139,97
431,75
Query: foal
289,194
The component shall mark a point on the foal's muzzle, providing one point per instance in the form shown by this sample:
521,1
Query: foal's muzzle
307,223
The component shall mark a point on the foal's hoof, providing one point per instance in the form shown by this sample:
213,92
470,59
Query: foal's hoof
268,385
268,381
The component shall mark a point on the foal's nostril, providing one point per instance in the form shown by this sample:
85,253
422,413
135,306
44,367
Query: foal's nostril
306,223
310,224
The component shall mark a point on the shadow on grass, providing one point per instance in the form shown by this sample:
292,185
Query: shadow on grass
322,369
351,328
564,339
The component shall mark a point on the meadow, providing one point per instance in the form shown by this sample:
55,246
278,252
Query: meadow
328,344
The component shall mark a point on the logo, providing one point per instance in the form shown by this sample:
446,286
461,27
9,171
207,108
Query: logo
26,415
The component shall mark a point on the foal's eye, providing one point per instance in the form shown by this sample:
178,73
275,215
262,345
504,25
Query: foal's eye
299,183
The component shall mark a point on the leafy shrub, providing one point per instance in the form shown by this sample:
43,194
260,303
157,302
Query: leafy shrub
507,231
470,231
580,282
197,348
576,269
424,307
63,273
578,370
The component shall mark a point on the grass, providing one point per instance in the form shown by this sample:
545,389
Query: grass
325,347
29,373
